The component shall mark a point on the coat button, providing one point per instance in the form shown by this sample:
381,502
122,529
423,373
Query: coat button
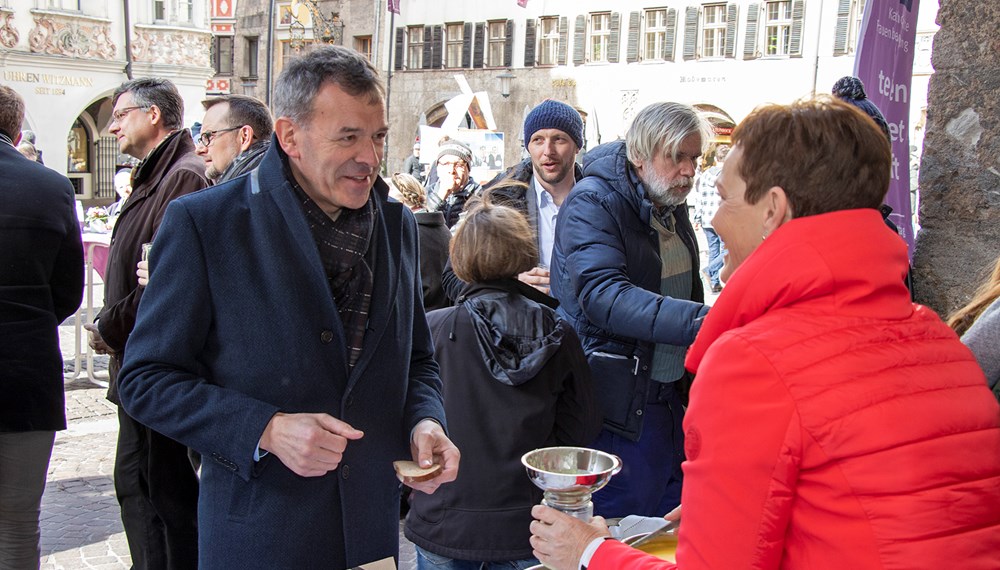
345,471
638,412
326,337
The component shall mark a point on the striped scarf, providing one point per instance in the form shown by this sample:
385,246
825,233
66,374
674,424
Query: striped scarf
343,245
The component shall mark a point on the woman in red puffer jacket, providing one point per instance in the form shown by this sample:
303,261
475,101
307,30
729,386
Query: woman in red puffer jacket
833,424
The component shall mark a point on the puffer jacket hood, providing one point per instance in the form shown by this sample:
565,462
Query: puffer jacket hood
609,162
516,326
604,152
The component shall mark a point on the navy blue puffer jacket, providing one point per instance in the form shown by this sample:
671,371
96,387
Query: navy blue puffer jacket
606,275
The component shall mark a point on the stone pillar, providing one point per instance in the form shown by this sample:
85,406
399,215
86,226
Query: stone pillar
959,239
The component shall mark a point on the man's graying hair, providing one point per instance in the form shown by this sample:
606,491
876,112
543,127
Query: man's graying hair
11,112
661,127
245,110
303,78
149,91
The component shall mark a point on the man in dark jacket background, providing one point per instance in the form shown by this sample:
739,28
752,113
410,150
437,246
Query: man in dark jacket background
235,134
412,165
538,185
154,480
625,272
41,284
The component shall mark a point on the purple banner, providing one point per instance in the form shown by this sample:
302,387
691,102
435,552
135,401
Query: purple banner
393,6
884,63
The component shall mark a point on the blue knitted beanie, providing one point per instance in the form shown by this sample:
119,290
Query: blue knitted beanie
551,114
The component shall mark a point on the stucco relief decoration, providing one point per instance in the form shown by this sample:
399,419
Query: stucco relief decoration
72,38
8,33
172,47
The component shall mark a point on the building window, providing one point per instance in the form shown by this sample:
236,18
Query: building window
223,55
159,10
857,18
454,38
600,36
656,34
713,30
498,42
778,27
286,53
286,16
363,45
415,47
61,4
184,11
548,40
253,51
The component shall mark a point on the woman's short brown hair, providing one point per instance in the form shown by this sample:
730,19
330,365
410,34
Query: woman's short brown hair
492,242
825,154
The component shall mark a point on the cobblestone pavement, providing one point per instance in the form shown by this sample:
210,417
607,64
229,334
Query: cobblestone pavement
81,526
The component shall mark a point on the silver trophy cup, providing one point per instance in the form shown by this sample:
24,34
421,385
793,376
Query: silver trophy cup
569,476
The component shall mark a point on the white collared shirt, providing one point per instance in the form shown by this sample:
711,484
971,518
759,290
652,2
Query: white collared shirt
547,212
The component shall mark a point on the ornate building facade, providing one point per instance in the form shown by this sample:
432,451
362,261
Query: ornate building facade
66,57
608,59
253,39
611,59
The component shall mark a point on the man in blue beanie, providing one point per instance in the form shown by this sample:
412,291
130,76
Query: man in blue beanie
553,136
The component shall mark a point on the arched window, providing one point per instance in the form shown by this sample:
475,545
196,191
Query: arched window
78,148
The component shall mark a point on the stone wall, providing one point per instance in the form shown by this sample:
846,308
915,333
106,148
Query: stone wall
960,171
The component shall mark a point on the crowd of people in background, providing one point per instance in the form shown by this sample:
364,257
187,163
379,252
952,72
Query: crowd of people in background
813,417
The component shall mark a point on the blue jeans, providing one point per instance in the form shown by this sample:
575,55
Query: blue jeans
716,254
430,561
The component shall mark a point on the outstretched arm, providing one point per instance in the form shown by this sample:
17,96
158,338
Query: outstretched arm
593,243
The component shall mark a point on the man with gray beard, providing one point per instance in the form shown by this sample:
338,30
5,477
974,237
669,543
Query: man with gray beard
625,271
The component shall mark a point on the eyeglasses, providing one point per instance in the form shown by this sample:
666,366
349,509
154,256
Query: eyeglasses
206,137
118,115
458,165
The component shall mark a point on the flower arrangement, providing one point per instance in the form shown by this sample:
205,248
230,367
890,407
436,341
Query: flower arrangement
96,219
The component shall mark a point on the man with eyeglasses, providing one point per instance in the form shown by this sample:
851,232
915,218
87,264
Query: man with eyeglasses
154,480
235,134
453,187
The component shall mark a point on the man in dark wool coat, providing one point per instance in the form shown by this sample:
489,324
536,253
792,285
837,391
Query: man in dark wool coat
282,336
41,284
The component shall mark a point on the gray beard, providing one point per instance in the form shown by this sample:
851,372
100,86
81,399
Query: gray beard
667,193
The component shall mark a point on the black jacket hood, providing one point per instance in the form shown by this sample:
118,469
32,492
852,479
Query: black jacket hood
516,326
